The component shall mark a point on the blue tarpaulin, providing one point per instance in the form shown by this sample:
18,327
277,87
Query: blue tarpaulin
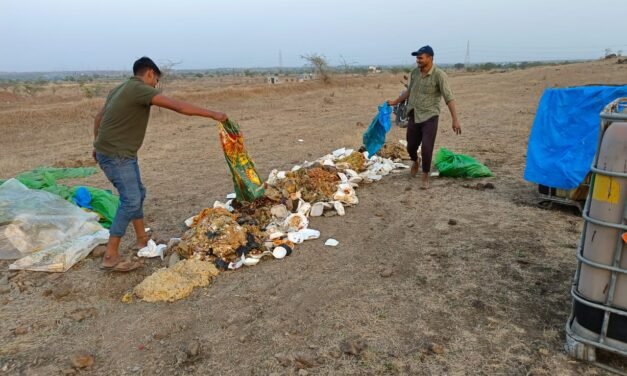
374,137
565,134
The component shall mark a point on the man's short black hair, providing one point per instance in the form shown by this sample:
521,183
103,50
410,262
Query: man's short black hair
143,64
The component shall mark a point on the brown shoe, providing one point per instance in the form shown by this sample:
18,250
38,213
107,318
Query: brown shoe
414,169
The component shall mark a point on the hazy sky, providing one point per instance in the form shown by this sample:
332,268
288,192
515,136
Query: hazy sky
44,35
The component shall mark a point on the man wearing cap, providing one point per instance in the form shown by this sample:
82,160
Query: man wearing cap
427,84
119,130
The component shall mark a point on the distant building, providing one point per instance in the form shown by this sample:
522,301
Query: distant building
373,69
272,80
307,77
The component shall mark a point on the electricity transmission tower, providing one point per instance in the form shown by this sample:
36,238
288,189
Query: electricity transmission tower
467,58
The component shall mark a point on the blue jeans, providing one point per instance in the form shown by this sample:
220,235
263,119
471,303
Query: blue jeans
123,173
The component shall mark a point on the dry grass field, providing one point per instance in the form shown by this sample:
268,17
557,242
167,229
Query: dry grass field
479,280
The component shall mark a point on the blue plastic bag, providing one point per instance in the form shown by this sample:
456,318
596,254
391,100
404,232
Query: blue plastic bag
374,137
82,198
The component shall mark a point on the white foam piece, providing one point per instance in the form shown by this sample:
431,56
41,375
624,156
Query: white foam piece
331,242
339,153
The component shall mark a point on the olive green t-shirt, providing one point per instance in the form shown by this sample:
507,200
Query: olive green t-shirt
426,92
125,118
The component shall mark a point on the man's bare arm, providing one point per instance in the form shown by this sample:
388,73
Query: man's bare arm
186,108
400,99
97,121
457,128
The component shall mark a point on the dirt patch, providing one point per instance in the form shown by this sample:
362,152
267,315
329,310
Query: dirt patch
73,163
8,97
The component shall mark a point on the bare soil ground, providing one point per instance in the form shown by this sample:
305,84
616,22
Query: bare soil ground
448,281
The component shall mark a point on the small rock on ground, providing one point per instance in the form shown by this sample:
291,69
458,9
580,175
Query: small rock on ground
387,272
436,349
353,346
82,360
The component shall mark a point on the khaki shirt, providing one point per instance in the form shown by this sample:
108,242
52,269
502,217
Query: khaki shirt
125,119
425,93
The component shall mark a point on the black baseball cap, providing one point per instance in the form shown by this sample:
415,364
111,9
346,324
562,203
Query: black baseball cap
423,50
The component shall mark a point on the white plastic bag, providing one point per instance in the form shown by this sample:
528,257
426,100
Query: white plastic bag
44,230
152,249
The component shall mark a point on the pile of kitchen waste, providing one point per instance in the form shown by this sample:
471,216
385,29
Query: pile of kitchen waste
394,150
233,234
177,282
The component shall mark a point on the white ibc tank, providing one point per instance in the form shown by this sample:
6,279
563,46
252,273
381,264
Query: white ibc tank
607,204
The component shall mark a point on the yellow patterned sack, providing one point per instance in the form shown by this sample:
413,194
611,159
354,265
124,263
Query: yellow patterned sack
247,184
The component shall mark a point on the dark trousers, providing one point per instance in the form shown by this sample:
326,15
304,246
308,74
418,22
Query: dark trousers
424,133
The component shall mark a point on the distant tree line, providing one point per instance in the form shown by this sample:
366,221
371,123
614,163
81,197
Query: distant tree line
508,66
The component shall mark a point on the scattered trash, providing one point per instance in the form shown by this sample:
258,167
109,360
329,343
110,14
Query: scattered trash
303,208
339,153
173,241
240,233
152,250
214,233
250,261
346,194
296,222
331,243
395,151
356,160
339,208
256,213
279,252
189,221
317,209
279,211
316,183
303,235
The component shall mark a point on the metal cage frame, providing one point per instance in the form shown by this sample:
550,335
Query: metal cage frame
576,345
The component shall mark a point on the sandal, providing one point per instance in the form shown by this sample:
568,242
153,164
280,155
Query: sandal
122,266
148,237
